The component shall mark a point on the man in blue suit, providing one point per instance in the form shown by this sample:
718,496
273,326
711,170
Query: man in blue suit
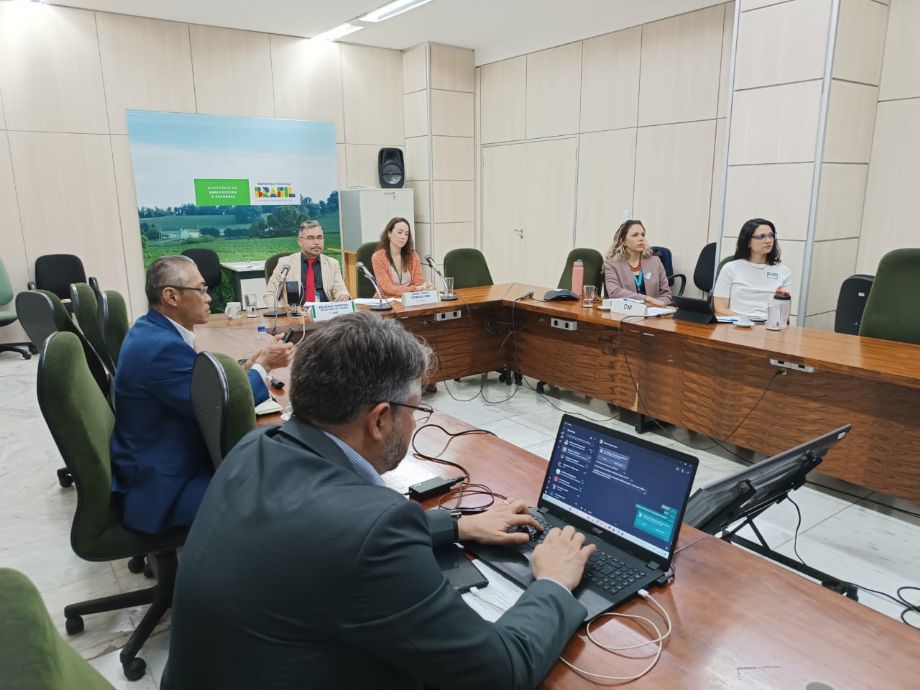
160,464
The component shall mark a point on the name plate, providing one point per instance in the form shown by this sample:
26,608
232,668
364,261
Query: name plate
323,311
622,305
420,297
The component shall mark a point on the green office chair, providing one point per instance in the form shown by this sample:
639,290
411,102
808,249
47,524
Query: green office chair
33,656
8,316
363,255
223,404
271,262
42,314
467,267
114,324
81,423
85,309
593,272
891,311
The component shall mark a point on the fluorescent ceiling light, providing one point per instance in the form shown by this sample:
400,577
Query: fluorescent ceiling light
338,32
392,9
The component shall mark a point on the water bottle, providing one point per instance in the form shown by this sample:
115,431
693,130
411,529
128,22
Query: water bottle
778,310
262,337
578,276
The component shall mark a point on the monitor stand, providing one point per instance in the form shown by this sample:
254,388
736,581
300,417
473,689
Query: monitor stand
762,548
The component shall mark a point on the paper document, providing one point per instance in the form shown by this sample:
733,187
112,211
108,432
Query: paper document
659,311
492,601
368,301
268,407
726,319
410,471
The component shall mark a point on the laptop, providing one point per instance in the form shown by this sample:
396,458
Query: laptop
626,494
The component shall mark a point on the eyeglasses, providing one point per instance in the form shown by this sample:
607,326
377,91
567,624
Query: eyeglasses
764,236
426,410
309,238
203,290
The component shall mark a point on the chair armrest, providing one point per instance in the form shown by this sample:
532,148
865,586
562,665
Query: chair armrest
683,282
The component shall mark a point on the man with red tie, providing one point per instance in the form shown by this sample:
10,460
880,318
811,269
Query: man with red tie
319,276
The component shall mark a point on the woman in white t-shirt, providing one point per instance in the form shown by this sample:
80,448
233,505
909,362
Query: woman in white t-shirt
747,284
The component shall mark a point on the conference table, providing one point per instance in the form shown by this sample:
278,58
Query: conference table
739,621
716,380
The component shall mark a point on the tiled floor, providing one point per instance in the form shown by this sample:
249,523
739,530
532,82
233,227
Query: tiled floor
864,537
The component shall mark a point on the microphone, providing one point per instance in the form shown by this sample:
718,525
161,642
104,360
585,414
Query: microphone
431,265
526,295
381,305
278,289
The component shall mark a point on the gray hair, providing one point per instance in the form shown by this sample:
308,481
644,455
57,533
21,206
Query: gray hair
309,224
355,361
167,270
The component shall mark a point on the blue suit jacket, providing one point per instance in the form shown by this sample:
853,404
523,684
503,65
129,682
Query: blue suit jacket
157,449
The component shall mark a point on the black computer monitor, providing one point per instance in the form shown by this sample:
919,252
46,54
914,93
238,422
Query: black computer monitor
748,492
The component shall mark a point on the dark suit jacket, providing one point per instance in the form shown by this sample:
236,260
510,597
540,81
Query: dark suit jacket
156,446
299,574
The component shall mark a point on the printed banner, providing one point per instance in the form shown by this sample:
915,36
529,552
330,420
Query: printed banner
238,185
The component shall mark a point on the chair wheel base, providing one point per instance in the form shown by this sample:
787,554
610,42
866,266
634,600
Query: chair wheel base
541,387
74,625
137,564
134,668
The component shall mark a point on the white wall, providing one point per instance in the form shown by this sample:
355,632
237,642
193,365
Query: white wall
67,76
645,108
891,216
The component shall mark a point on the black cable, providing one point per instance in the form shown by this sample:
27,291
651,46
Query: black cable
715,443
898,598
487,325
451,436
571,412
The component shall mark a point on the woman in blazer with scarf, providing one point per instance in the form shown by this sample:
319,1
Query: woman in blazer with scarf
630,269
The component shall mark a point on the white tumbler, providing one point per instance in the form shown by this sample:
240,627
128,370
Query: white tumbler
778,311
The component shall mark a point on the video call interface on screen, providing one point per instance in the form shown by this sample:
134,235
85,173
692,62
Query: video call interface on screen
628,489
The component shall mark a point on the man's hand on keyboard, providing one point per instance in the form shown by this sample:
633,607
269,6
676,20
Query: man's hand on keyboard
491,526
562,556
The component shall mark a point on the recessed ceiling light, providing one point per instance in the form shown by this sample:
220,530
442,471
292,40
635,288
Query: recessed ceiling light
392,9
338,32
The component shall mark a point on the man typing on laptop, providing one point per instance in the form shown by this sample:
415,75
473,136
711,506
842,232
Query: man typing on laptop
629,495
303,570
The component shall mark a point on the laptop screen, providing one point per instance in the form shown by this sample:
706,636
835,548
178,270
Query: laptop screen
631,488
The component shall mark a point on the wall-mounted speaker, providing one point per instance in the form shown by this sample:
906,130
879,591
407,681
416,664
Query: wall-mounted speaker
390,168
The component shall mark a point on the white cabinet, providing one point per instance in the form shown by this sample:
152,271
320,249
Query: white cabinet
364,213
528,209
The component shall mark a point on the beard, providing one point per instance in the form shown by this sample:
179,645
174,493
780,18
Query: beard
393,451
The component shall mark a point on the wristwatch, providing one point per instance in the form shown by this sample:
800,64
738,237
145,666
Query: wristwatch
455,517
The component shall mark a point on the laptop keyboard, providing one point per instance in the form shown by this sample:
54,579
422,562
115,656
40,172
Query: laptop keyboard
603,569
609,573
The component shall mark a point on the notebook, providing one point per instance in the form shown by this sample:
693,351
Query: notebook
626,494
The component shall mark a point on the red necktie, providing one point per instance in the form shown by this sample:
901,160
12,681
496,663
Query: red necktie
310,282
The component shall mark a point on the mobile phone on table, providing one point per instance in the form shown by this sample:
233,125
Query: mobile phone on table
458,569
